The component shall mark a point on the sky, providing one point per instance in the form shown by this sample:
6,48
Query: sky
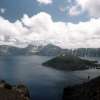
65,23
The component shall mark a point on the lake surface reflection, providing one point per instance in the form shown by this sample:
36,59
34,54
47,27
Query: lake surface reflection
44,83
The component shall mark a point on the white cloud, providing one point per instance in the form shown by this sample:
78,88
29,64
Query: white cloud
74,11
69,1
41,28
90,6
45,1
2,10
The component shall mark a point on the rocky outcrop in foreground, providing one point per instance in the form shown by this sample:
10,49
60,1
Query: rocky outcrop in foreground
9,92
86,91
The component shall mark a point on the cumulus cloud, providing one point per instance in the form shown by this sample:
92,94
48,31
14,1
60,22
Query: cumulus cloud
74,11
42,29
45,1
2,10
90,6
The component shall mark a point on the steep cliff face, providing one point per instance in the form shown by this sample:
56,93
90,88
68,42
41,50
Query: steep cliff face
86,52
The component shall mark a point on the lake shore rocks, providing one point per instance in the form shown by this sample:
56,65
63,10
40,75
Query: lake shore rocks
9,92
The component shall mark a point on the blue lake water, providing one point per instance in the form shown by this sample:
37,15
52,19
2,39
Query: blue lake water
44,83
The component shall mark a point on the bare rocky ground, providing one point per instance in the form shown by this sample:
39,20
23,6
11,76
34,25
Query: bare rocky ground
9,92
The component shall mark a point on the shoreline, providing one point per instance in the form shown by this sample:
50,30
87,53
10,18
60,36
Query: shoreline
10,92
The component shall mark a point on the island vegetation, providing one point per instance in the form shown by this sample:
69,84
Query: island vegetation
70,63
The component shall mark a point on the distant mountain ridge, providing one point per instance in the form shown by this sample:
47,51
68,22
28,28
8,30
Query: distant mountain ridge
11,50
48,50
51,50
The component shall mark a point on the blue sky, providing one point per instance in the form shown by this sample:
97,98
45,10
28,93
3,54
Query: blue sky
15,9
66,23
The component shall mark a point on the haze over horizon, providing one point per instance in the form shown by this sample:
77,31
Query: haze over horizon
66,23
